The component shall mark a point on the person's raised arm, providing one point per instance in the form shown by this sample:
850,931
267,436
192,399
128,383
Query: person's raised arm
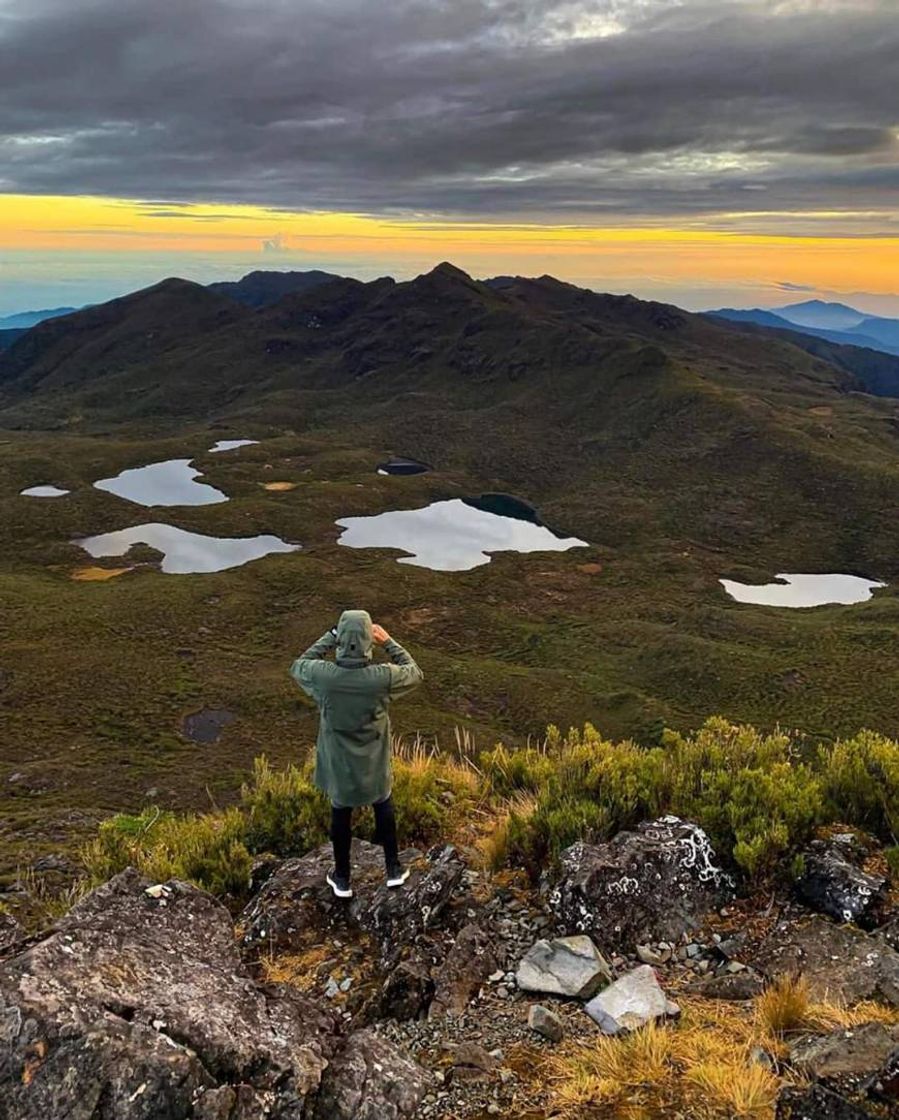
302,669
404,672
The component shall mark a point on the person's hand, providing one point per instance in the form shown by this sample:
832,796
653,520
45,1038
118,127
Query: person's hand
379,634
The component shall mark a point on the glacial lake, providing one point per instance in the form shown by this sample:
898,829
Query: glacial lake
795,589
454,535
43,492
186,552
231,444
171,483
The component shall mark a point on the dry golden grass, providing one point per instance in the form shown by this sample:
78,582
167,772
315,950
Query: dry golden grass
701,1067
97,575
493,845
784,1006
299,970
831,1016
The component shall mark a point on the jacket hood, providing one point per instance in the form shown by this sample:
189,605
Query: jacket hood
354,638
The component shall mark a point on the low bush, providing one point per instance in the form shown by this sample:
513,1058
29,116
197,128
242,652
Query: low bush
285,813
208,850
861,782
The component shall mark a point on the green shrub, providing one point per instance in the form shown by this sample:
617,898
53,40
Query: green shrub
535,840
285,813
510,771
861,782
207,850
750,791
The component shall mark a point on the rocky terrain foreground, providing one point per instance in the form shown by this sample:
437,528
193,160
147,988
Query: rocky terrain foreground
457,996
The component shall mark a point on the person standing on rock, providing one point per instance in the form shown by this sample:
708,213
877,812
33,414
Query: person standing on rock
352,754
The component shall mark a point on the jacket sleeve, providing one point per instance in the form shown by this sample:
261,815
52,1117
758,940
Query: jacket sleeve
404,673
307,666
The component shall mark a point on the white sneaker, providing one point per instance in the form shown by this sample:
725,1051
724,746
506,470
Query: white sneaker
340,886
396,876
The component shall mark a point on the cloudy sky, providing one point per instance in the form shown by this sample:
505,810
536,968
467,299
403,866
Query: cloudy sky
702,151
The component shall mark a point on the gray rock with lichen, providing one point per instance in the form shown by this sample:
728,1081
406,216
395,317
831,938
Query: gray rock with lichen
296,898
655,883
831,881
631,1002
839,962
137,1006
371,1080
564,966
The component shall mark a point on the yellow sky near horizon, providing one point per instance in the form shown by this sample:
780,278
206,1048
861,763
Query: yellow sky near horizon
668,254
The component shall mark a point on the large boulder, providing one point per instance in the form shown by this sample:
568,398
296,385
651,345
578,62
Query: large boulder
370,1080
653,884
295,899
137,1006
839,962
564,966
631,1002
832,882
846,1059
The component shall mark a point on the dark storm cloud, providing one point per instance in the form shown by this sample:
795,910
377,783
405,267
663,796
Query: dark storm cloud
456,107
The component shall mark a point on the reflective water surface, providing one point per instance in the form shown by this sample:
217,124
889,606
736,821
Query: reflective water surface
803,590
451,535
231,444
171,483
186,552
43,492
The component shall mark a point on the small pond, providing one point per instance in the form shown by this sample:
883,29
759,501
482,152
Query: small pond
794,589
43,492
400,465
171,483
454,535
186,552
231,444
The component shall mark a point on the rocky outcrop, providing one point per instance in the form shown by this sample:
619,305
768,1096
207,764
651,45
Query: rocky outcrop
817,1103
565,966
847,1059
370,1080
839,962
465,968
136,1006
833,882
10,931
657,882
295,899
631,1002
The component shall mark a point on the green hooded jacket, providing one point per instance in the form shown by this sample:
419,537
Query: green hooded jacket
352,755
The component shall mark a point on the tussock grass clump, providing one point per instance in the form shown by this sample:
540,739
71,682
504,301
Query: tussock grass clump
432,792
784,1006
701,1066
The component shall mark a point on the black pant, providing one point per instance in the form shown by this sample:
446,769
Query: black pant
342,834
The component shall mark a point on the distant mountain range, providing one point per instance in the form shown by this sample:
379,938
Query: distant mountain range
835,322
25,319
